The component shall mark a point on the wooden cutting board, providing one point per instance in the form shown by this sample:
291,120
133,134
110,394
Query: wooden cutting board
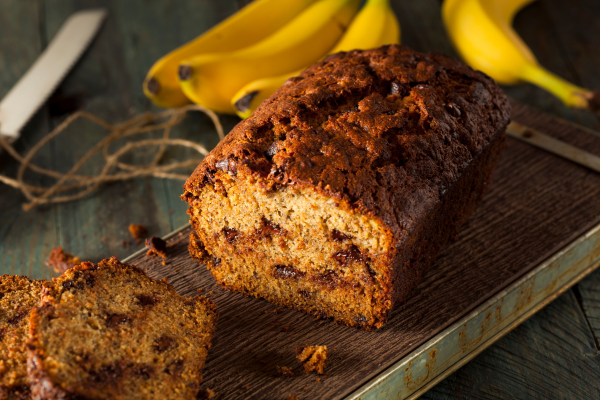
537,205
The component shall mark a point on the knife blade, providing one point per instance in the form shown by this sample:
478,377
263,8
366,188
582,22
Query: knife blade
38,83
552,145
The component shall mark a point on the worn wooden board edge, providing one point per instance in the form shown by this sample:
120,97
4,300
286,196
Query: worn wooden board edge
420,370
445,353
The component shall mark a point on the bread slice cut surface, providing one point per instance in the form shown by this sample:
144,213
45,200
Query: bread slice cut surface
108,331
18,296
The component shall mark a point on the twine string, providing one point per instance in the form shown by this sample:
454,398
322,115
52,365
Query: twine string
147,122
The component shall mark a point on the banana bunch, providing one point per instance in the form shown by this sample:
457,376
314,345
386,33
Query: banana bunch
375,25
481,31
252,24
268,40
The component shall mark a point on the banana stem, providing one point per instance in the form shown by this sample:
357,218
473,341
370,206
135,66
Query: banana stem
571,95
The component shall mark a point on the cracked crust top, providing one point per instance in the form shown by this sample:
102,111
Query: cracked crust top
385,131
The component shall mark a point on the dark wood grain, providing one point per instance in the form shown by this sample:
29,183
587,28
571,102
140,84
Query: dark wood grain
550,356
107,81
588,295
537,204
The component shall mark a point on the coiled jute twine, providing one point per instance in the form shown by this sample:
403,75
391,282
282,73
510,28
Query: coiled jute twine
37,195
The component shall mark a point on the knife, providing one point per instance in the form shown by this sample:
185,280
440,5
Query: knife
552,145
38,83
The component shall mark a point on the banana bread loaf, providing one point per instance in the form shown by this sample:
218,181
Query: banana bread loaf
340,190
18,295
109,331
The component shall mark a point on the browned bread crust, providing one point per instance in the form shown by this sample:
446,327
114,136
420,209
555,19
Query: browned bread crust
18,295
109,331
398,140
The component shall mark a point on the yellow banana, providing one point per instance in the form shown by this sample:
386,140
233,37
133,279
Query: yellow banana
250,25
211,80
392,33
374,25
482,32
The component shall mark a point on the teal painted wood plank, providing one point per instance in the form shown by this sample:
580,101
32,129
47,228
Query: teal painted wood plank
94,227
150,35
24,238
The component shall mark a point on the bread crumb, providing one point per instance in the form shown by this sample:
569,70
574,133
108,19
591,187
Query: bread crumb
285,328
83,235
138,231
318,379
163,262
165,279
171,211
103,239
206,394
285,372
292,397
276,311
124,243
200,290
156,247
60,261
246,387
313,357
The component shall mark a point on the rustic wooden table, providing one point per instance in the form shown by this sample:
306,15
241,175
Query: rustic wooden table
553,355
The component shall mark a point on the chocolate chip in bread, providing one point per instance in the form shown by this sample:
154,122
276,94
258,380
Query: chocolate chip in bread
109,331
340,190
18,296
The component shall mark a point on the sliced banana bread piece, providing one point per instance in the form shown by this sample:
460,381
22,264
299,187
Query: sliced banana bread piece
341,189
18,295
109,331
